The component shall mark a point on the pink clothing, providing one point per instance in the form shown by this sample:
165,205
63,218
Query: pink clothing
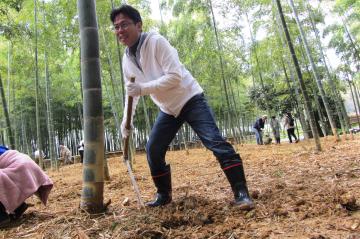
20,178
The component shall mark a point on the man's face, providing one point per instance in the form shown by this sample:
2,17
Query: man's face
126,30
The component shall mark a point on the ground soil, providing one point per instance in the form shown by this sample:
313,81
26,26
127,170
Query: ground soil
298,194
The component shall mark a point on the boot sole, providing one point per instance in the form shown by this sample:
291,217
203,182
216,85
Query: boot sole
244,206
19,211
4,223
157,205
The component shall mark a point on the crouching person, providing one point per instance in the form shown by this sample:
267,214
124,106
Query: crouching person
38,155
267,139
65,153
20,178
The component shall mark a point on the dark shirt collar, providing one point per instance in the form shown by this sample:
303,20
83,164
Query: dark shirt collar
133,48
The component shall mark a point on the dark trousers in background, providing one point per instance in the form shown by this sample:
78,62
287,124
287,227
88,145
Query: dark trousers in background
277,140
81,152
291,132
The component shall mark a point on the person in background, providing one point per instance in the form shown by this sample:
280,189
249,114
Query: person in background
267,139
155,64
289,125
81,150
37,155
275,126
20,178
258,128
65,153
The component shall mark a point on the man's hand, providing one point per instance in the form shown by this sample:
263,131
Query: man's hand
133,89
124,131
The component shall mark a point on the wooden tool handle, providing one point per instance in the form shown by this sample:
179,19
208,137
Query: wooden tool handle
129,108
128,122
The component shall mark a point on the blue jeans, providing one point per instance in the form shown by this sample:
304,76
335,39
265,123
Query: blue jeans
197,113
3,149
258,135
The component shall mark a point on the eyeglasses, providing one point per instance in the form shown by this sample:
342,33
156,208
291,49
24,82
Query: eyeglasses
122,26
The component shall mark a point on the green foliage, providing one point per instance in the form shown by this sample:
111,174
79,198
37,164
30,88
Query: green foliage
269,98
6,5
190,31
8,27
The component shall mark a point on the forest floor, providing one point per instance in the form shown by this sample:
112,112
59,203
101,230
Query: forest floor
298,194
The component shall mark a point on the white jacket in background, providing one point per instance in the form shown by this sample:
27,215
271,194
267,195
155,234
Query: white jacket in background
163,77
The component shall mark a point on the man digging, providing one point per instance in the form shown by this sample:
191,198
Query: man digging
155,64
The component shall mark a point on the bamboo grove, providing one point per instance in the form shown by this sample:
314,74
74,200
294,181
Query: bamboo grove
251,57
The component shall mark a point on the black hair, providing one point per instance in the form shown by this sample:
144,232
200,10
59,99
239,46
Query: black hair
127,10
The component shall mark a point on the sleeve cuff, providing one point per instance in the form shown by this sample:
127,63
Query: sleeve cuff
147,88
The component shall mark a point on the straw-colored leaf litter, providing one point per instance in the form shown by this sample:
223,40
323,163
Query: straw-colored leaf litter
298,194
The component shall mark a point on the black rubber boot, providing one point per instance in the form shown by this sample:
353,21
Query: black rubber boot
235,175
163,185
19,211
4,217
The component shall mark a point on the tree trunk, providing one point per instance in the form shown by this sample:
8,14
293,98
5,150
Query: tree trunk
116,117
9,76
353,45
307,103
7,118
299,104
115,110
222,68
146,115
355,100
93,165
335,94
120,66
322,122
13,116
236,118
356,94
341,103
37,93
50,123
24,138
117,107
255,52
315,73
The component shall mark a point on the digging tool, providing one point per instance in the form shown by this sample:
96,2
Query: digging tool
126,148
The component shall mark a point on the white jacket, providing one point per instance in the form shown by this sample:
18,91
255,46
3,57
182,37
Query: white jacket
163,77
